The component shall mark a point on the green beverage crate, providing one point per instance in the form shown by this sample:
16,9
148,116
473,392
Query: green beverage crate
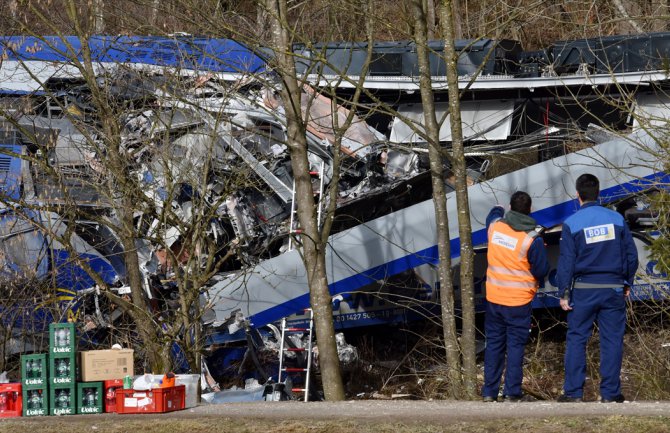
34,371
62,370
90,397
62,339
35,401
62,400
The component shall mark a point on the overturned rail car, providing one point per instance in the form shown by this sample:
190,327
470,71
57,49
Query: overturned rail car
532,121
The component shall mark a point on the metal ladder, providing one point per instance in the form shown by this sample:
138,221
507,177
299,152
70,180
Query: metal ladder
292,222
308,349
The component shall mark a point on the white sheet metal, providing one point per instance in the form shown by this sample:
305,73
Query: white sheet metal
30,76
505,82
481,120
652,109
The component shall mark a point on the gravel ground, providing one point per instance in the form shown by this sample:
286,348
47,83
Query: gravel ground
425,411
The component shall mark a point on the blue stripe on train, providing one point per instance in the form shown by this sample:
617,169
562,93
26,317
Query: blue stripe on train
547,217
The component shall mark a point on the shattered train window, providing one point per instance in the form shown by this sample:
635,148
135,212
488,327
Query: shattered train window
22,249
103,240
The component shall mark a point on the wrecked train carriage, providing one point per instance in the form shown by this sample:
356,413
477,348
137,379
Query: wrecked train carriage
31,61
242,139
381,234
43,248
38,75
364,260
526,128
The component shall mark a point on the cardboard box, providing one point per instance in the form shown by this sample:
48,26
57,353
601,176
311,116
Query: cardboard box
97,365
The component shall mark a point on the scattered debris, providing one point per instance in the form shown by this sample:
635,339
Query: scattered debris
252,391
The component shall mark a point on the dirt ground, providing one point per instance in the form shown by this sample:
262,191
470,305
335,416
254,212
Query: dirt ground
428,411
370,416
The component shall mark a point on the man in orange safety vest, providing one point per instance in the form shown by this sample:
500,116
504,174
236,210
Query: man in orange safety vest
517,262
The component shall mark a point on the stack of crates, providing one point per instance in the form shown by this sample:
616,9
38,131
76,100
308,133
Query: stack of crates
35,389
49,381
62,369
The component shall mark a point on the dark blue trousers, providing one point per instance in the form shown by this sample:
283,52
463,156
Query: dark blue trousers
608,308
507,331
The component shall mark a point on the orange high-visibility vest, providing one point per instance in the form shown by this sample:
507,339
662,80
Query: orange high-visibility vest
508,278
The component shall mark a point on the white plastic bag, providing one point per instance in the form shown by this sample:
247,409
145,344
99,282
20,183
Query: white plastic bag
147,381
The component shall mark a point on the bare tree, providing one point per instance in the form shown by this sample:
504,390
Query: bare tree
464,226
457,14
621,7
155,4
98,7
161,228
432,130
13,9
313,249
429,8
660,12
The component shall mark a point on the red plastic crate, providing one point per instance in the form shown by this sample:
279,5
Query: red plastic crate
110,387
11,400
157,400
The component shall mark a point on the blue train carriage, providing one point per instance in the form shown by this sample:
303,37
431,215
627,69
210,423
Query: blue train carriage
40,272
408,296
31,70
30,61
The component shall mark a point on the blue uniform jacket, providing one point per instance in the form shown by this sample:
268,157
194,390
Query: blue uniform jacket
537,253
596,248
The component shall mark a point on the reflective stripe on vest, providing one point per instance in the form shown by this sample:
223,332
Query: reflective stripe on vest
508,277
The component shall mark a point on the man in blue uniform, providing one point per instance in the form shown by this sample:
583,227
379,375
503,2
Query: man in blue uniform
596,267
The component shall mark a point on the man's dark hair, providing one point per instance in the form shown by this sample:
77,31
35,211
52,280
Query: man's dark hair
588,187
520,202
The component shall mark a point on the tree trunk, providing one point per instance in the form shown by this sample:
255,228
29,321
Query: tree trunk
122,194
313,250
157,354
440,202
153,16
98,17
660,14
464,226
262,22
627,24
14,9
457,19
429,9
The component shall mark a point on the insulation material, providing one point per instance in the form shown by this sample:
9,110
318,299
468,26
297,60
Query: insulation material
481,120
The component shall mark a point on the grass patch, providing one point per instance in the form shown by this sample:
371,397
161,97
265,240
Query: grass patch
612,424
